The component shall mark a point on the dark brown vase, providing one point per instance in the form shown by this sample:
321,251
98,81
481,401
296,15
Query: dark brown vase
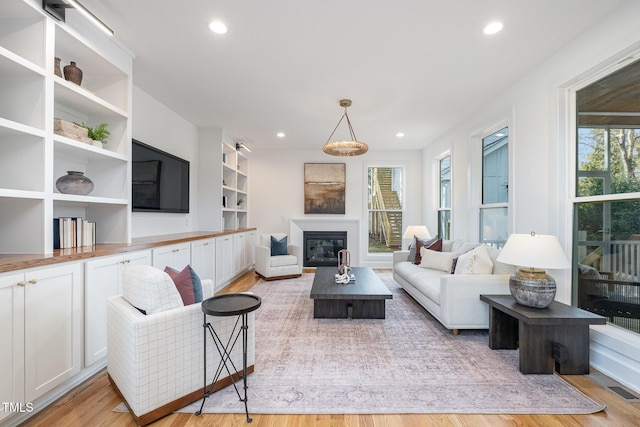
56,68
73,73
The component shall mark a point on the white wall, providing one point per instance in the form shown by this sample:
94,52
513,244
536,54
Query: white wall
276,189
541,167
156,125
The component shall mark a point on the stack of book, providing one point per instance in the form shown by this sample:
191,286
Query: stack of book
70,232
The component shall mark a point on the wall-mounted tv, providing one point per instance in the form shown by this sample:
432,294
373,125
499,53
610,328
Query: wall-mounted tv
160,181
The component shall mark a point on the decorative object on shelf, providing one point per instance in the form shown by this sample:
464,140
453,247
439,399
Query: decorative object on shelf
73,73
324,188
71,130
56,68
532,287
98,134
74,182
240,200
351,147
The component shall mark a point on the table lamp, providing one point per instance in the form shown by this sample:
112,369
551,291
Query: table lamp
420,231
531,286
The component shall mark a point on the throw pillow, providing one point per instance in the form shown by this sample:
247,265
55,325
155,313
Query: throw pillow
476,261
437,260
279,247
184,284
433,245
414,249
197,283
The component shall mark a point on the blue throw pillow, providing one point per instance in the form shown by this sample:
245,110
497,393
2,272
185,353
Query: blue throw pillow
279,247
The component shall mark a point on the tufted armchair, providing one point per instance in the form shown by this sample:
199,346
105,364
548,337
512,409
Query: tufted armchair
278,266
155,360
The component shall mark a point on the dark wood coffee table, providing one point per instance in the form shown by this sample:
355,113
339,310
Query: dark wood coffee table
554,336
364,299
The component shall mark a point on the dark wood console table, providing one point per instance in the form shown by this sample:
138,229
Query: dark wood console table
557,335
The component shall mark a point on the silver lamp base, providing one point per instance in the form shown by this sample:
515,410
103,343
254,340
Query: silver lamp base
532,287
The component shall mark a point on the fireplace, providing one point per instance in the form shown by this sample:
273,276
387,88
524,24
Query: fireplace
321,247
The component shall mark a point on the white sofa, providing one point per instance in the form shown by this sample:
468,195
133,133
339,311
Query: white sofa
453,299
155,361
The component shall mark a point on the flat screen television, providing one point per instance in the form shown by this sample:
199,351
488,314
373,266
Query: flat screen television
160,181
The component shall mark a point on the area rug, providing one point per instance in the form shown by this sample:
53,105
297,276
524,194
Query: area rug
406,363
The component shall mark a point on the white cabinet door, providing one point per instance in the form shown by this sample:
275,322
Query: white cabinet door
203,258
176,256
12,333
239,258
103,279
224,260
53,325
250,245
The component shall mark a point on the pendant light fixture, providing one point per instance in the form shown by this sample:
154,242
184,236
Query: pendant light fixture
351,147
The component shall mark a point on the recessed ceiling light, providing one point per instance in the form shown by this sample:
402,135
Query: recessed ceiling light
280,135
399,134
218,27
493,28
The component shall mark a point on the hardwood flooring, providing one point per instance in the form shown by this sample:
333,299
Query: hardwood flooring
91,404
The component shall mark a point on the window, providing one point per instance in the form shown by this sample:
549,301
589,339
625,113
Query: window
444,205
494,210
384,205
606,232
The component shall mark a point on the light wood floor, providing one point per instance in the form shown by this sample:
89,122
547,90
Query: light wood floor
91,404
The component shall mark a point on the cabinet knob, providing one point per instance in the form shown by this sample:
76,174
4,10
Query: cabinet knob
176,250
22,283
33,281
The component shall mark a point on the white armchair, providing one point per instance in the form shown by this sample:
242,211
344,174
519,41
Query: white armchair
155,360
280,266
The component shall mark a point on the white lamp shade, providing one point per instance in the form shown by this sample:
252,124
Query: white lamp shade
535,251
419,231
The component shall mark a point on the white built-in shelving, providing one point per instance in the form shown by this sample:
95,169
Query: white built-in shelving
235,192
33,156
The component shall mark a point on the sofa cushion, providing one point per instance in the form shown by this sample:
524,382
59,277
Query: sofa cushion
279,246
476,261
436,260
499,267
281,260
149,289
265,239
426,280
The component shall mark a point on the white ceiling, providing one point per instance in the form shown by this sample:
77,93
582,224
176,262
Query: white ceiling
412,66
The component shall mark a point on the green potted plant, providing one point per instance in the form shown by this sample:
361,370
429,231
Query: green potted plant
99,133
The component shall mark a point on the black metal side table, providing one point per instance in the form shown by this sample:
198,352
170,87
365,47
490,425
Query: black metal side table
228,305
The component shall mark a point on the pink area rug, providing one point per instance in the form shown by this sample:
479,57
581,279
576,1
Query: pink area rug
406,363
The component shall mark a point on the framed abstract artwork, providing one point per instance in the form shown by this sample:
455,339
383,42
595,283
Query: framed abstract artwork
324,188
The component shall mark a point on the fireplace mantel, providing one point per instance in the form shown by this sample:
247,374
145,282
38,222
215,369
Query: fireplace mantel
352,226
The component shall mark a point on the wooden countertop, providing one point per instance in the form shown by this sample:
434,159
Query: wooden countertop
13,262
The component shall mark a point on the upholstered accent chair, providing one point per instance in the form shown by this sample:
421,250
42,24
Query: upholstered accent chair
155,360
280,260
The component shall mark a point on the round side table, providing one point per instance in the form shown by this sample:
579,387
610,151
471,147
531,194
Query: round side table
228,305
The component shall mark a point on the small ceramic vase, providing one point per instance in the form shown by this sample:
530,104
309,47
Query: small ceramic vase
74,182
73,73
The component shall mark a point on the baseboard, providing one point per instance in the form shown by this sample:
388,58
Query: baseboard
174,405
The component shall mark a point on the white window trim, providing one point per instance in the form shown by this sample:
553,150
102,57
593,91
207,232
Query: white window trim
374,259
475,176
436,191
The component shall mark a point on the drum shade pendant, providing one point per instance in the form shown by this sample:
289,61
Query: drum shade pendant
342,148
